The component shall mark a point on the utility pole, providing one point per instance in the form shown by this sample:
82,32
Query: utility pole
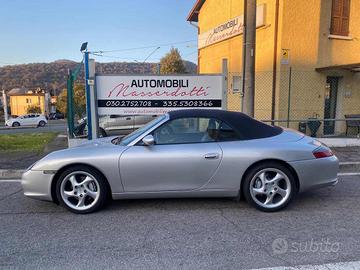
6,116
249,42
91,106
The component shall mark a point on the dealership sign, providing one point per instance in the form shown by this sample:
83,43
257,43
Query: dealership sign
229,29
157,94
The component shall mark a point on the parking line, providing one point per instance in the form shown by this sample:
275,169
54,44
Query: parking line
330,266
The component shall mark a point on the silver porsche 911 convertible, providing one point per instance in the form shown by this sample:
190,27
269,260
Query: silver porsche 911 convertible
186,153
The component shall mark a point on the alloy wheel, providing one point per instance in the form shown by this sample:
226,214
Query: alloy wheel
80,190
270,188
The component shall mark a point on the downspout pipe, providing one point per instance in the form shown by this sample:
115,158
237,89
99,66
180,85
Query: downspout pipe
198,29
276,30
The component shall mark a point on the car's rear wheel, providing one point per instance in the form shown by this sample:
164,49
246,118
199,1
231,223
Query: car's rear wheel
16,124
82,189
269,186
42,123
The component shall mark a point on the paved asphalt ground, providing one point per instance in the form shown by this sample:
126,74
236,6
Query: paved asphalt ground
319,227
52,126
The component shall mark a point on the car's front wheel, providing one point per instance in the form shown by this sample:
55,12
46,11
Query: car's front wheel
16,124
269,186
82,189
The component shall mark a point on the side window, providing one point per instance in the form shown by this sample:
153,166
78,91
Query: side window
187,130
226,133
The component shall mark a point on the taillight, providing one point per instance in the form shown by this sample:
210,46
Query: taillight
322,152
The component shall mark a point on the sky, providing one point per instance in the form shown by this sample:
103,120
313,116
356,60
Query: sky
34,31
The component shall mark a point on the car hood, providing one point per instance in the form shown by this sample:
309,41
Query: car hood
98,142
90,153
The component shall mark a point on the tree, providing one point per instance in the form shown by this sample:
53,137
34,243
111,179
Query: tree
79,105
172,63
33,109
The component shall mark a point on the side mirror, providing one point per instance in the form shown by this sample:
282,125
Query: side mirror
148,140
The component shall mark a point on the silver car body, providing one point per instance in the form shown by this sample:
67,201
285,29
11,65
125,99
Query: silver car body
182,170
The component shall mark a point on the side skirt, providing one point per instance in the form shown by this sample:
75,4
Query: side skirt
175,194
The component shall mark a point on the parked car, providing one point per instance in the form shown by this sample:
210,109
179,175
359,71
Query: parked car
27,120
112,125
186,153
56,116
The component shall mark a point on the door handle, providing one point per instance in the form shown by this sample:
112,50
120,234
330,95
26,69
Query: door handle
211,156
128,118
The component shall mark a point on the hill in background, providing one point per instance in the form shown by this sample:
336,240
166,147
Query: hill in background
52,76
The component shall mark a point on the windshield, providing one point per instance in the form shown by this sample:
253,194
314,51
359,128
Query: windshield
129,138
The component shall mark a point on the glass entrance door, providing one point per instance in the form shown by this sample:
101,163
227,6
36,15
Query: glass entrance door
330,104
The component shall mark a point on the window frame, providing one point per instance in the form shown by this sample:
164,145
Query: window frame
341,17
139,143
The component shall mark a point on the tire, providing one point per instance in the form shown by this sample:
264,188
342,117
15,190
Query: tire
269,186
75,196
16,124
42,123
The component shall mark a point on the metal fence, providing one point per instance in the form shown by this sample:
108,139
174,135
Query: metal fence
318,104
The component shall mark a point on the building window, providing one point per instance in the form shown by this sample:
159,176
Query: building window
340,17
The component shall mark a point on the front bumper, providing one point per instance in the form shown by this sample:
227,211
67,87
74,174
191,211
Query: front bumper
316,173
37,185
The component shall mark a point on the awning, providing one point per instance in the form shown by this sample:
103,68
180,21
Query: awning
350,67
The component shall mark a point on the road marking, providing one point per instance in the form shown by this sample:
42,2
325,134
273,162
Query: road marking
350,163
330,266
349,174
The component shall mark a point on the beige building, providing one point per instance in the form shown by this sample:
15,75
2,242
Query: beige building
21,99
318,39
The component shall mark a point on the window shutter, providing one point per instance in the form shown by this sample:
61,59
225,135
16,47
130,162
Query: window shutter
345,17
340,17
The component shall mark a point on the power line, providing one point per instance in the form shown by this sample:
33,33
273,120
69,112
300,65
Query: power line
147,47
121,58
188,54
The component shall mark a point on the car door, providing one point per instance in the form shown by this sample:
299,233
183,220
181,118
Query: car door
35,119
25,120
182,159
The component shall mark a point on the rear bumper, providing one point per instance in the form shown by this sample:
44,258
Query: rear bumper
316,173
37,185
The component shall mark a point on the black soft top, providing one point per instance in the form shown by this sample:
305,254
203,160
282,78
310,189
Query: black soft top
248,128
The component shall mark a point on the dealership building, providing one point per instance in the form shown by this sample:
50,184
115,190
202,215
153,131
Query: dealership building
307,57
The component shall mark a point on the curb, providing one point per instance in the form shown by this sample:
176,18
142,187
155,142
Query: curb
21,127
347,167
344,167
340,142
11,174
